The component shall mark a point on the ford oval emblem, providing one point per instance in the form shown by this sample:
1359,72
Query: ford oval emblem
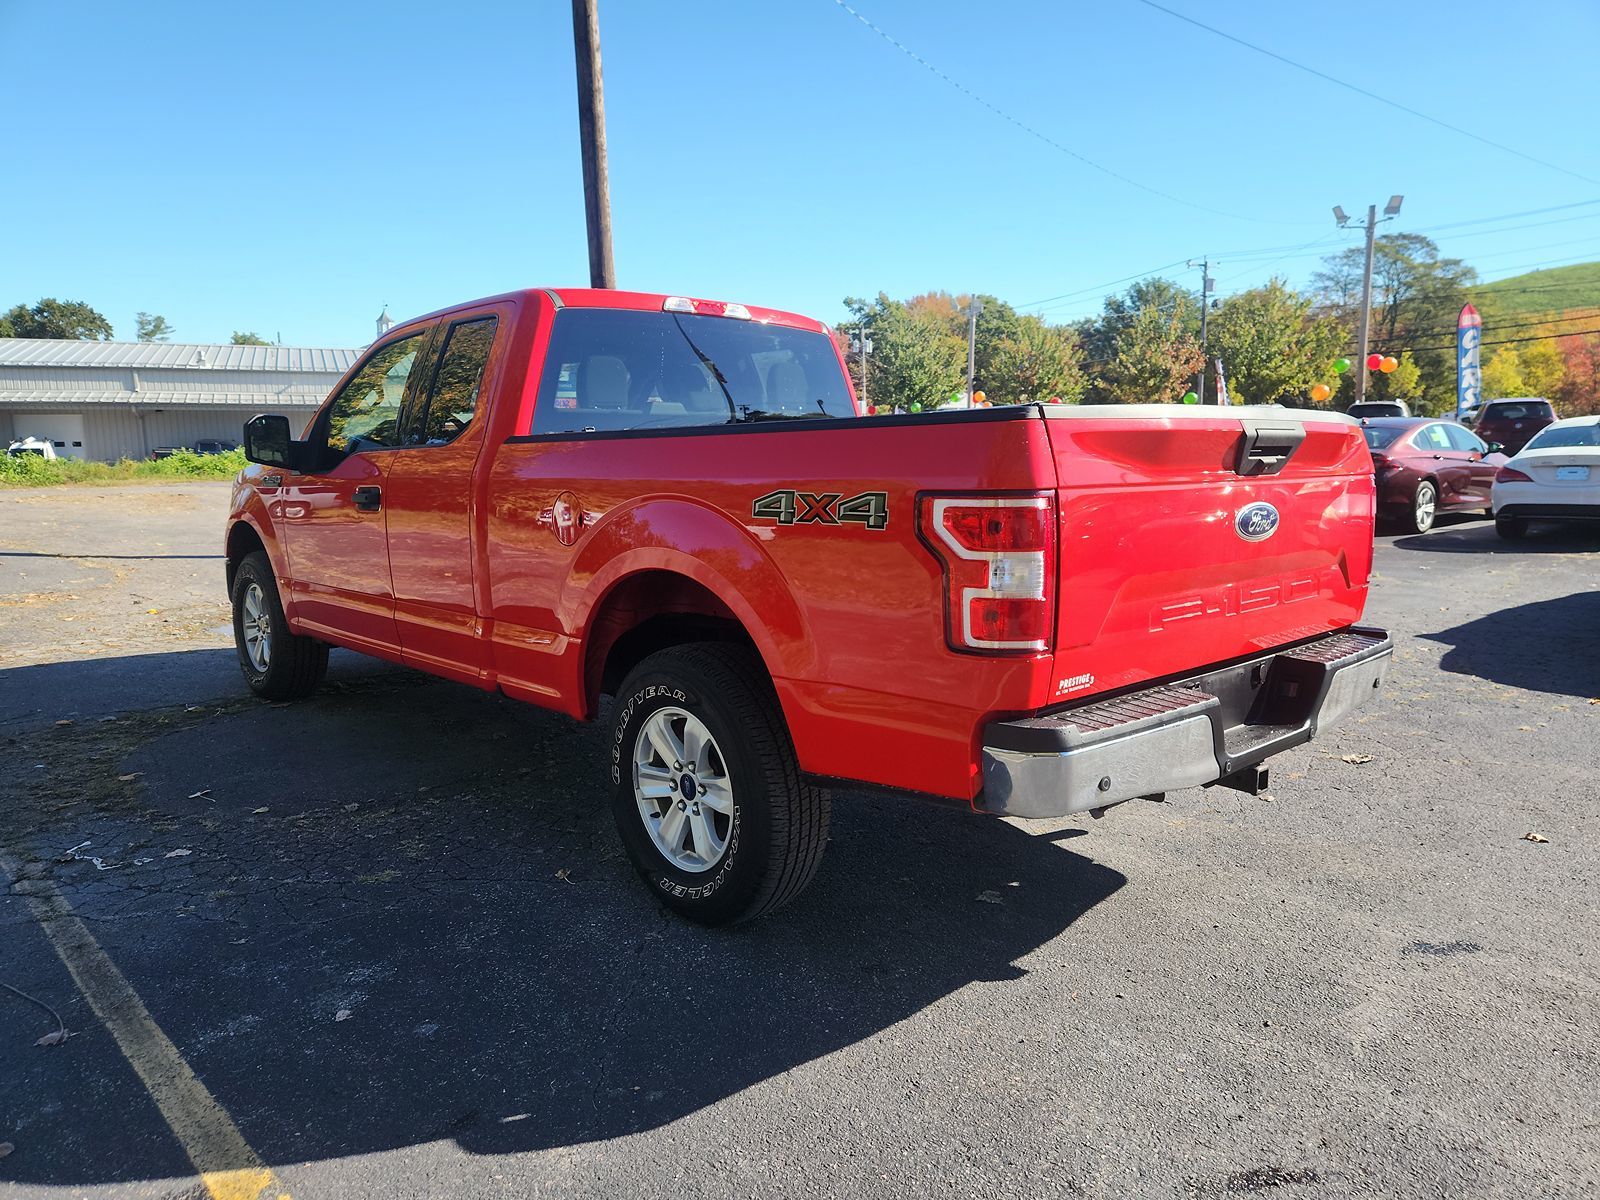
1256,522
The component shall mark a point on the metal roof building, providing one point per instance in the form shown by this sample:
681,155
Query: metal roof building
111,400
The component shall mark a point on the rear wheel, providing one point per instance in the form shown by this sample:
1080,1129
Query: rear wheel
1511,528
1424,506
708,796
277,664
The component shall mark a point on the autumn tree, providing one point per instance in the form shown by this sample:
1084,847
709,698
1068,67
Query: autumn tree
1543,368
1271,346
1405,383
1579,394
67,320
1502,375
1037,362
1155,357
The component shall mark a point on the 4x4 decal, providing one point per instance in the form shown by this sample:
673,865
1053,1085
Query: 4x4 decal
789,507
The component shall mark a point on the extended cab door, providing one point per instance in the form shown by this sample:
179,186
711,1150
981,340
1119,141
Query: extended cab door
430,498
333,518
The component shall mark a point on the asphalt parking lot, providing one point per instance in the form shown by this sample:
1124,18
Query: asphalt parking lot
390,934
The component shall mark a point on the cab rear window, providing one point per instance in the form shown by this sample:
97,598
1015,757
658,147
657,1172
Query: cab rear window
1522,410
614,369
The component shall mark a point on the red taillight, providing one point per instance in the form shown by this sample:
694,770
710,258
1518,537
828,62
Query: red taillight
998,554
1511,475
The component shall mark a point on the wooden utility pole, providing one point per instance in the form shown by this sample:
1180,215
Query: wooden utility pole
1366,306
592,135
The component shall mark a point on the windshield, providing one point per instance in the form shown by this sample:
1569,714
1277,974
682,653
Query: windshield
610,369
1378,436
1559,436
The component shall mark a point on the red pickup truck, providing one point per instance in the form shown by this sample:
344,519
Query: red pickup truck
1034,610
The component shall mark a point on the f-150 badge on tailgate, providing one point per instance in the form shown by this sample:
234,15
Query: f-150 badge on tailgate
1256,522
789,507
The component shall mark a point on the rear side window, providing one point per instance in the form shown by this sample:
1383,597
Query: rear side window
611,369
453,399
1463,439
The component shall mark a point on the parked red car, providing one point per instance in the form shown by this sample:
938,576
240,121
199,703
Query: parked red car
1425,466
1513,423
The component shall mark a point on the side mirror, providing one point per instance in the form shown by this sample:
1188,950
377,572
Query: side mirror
1493,447
267,441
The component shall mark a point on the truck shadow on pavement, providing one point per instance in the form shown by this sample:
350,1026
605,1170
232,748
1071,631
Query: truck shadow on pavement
1550,646
431,933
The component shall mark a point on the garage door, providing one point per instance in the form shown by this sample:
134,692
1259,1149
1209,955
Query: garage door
62,430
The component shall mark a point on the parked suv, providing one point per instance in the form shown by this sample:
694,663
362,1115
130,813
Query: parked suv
1513,422
1379,408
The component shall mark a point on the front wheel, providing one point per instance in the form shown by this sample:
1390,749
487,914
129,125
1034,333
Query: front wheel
707,795
277,664
1424,506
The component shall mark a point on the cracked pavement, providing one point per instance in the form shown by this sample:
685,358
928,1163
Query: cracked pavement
405,953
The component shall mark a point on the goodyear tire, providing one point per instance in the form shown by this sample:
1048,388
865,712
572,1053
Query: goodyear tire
707,791
277,664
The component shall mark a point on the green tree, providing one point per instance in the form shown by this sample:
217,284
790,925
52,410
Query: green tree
1416,298
1544,369
1037,362
915,358
1502,375
249,339
68,320
152,327
1098,337
1270,345
1405,383
1155,357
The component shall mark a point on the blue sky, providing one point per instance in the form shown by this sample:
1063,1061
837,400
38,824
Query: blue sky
292,168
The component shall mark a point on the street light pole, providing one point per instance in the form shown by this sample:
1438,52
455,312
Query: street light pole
1390,210
973,309
592,137
1206,283
862,345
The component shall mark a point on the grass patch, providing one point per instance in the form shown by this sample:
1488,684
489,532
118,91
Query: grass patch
30,470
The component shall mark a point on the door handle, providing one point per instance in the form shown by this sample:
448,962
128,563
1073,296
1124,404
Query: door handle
369,499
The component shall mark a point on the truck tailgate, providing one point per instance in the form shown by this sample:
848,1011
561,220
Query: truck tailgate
1196,536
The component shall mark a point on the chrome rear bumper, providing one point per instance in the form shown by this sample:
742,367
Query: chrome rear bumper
1193,731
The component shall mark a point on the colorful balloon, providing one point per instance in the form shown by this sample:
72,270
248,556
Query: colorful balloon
1374,361
1341,365
979,398
1190,398
916,406
1389,363
1320,392
872,410
1055,399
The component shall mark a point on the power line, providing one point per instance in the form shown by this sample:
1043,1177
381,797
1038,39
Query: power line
1532,212
1043,137
1360,91
1110,283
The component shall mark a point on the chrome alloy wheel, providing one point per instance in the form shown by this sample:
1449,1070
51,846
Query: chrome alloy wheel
682,788
255,622
1426,502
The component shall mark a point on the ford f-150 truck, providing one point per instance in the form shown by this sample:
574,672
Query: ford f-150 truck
1033,610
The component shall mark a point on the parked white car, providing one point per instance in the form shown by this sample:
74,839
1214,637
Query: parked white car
1555,477
31,445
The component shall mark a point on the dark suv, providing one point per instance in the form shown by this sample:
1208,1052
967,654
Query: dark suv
1513,422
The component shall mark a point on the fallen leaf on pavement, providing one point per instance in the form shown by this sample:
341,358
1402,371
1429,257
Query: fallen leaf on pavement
258,811
178,853
64,722
342,1015
6,1148
565,873
1534,837
989,897
54,1039
201,792
1357,758
130,777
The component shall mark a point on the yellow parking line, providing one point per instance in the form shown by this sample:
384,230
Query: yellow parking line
228,1167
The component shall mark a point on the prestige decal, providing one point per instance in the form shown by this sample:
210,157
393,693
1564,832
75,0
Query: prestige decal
789,507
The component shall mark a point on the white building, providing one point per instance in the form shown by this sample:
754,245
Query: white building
113,400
